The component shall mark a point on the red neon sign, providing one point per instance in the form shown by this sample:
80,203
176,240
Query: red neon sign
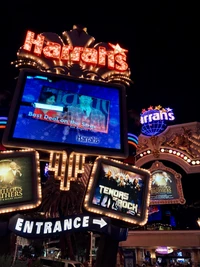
114,59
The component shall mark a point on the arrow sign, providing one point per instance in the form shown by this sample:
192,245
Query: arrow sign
33,227
101,222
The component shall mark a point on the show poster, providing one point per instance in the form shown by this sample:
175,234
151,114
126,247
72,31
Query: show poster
166,185
18,181
120,190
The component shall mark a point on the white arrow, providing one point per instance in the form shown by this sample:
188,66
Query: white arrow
101,222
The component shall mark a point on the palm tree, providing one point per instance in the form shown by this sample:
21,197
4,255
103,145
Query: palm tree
57,203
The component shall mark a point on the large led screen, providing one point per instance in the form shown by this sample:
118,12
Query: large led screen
119,191
58,112
20,186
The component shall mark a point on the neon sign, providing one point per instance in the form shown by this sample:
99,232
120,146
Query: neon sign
114,59
154,120
164,250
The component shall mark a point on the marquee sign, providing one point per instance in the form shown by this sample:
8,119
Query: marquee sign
154,120
116,59
74,53
29,227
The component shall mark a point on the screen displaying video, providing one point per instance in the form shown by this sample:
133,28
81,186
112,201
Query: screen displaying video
57,112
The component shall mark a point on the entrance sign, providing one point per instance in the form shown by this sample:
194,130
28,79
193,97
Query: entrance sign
29,227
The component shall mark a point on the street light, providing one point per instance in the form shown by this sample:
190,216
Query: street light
198,221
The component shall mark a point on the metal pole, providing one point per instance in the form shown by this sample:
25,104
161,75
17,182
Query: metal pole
91,247
15,253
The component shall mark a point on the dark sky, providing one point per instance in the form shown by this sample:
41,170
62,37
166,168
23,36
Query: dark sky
162,38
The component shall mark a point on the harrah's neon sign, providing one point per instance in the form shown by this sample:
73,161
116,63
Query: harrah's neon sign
114,59
156,114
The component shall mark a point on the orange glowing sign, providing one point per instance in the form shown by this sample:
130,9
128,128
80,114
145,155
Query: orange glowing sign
113,57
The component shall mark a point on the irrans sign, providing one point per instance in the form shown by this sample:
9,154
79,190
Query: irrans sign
156,114
114,60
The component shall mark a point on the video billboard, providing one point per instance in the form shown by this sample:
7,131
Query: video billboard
57,112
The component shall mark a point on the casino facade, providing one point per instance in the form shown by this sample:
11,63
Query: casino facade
178,145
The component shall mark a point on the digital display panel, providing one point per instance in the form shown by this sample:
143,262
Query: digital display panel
58,112
20,186
118,190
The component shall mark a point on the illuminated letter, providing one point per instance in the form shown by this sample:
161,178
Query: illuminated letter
141,119
52,50
85,221
77,222
101,188
47,227
102,56
150,117
67,224
111,60
146,118
28,227
121,60
29,41
19,223
89,55
156,116
76,54
163,115
57,227
171,116
38,225
65,52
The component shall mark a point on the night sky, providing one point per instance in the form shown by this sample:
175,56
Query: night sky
161,37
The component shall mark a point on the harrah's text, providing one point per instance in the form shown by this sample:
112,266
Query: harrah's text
114,60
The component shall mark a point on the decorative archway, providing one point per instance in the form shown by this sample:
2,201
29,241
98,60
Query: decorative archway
179,144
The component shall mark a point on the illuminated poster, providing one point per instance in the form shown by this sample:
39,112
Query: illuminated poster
118,190
166,185
19,183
